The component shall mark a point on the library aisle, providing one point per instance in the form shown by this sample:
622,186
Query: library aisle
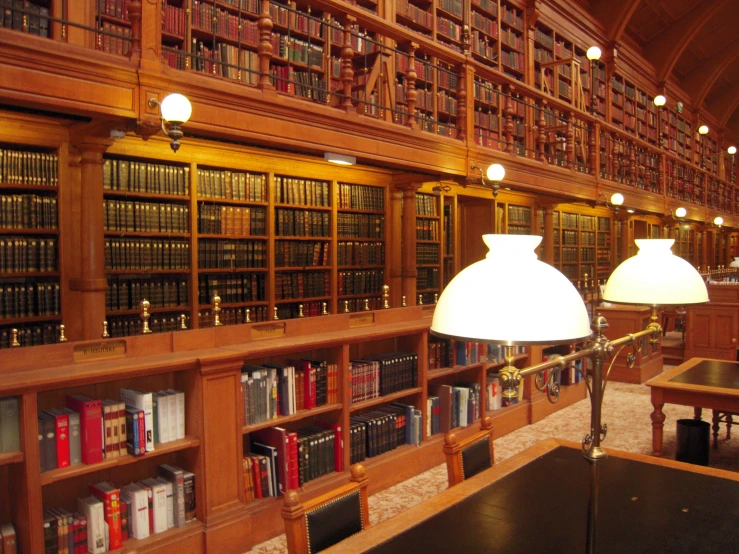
626,410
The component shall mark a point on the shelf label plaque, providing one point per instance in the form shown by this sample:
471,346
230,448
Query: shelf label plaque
99,351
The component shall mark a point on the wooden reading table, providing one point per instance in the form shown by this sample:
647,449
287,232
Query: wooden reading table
698,382
539,500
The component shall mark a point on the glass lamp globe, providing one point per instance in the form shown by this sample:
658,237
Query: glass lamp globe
176,108
617,199
593,53
660,100
496,172
735,262
718,221
681,212
703,129
731,150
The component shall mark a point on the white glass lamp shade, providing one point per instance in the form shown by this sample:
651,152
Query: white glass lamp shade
617,199
681,212
511,298
176,108
593,53
731,150
655,277
703,129
495,172
718,221
660,100
735,262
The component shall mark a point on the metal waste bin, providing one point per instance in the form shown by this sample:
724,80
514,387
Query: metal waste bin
693,439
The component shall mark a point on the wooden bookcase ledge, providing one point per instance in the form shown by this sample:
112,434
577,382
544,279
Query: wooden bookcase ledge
206,364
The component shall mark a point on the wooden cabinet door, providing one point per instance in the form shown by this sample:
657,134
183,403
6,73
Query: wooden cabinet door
712,331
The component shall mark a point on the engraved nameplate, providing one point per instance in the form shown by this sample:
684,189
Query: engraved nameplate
100,351
427,311
268,331
360,320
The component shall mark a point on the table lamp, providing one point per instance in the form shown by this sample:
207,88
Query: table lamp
511,298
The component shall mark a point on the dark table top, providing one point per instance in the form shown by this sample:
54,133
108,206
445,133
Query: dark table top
711,373
543,507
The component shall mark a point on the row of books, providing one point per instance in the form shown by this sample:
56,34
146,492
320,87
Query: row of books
111,515
367,281
360,253
128,326
34,22
9,429
427,229
384,429
147,254
309,284
450,353
28,168
28,211
308,84
89,430
218,21
360,225
116,39
233,316
383,374
27,300
427,278
173,20
419,15
427,253
232,185
125,293
8,539
24,255
361,197
293,310
29,334
240,287
301,253
295,50
275,390
458,405
154,178
302,223
305,192
114,8
225,254
148,217
229,220
289,16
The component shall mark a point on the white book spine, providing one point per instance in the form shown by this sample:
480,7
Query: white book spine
142,401
92,508
139,503
177,398
160,508
163,417
170,501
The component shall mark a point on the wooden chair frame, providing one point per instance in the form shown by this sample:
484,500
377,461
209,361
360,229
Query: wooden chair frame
295,513
453,449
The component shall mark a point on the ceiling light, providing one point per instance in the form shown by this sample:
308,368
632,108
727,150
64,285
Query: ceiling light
339,159
593,53
660,100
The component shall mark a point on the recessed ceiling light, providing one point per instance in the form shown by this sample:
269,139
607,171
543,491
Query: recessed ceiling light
339,159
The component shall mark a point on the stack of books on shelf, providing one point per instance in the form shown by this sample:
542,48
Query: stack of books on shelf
112,515
451,353
279,460
89,430
9,430
454,406
383,374
275,390
384,429
8,539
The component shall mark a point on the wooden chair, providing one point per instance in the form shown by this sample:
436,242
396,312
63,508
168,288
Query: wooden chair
722,417
470,456
330,518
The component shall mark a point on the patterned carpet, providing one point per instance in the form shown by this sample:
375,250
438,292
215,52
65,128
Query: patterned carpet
626,410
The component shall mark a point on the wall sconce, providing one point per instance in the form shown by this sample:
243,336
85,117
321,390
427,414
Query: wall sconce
614,203
703,131
679,213
660,101
339,159
439,188
495,174
175,111
593,54
718,221
541,306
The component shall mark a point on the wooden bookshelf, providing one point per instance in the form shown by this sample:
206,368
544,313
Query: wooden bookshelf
428,247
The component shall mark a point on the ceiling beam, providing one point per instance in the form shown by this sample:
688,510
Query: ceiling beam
698,83
666,48
614,16
724,105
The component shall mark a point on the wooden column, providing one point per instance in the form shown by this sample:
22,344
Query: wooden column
264,50
704,247
508,122
625,237
70,239
541,135
91,282
632,164
548,241
394,238
570,142
153,42
347,67
462,103
594,148
728,256
661,174
409,186
411,94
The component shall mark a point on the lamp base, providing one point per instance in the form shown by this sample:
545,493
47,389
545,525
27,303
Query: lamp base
595,453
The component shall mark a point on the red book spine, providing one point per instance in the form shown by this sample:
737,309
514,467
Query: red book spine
124,521
338,449
292,449
91,427
112,514
142,434
257,472
62,440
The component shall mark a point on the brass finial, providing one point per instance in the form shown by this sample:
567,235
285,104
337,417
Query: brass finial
183,322
420,299
248,315
300,310
106,335
403,302
276,317
324,309
385,297
62,338
145,305
366,304
217,311
15,339
436,298
346,306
